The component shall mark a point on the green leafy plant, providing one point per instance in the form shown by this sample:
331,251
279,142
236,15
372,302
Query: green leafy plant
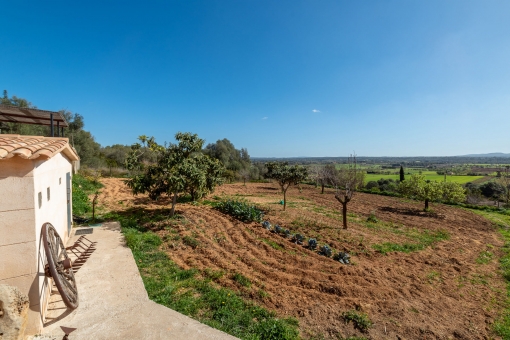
371,218
266,225
342,257
360,320
312,244
241,210
278,229
325,250
298,239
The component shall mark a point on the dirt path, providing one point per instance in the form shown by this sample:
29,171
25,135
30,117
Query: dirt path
440,292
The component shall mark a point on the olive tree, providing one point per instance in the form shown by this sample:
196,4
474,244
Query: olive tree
179,168
350,179
286,175
493,190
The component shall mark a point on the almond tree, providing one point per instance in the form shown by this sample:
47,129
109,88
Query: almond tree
245,175
350,179
314,173
286,176
328,175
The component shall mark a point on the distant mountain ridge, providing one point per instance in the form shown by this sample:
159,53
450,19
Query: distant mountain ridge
488,155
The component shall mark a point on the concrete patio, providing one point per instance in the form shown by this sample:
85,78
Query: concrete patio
114,303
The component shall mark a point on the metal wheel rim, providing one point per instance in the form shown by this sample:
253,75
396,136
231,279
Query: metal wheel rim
55,255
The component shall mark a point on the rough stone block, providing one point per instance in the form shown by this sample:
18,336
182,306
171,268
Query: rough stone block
13,313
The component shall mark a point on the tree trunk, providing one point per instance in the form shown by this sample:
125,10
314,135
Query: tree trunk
426,204
174,202
284,199
344,214
322,189
244,181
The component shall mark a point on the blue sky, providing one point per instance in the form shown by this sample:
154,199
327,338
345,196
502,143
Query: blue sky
281,78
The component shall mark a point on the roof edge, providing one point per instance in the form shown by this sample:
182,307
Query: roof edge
66,149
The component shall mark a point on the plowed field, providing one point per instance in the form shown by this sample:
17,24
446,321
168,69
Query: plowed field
450,289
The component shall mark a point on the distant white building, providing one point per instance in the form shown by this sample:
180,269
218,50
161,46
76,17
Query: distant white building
35,187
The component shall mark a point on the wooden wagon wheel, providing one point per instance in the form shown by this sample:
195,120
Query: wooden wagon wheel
59,266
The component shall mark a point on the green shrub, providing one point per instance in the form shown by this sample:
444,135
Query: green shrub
360,320
372,218
241,210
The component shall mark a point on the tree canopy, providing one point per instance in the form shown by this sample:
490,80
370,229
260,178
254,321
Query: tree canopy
492,190
286,175
179,168
232,158
416,187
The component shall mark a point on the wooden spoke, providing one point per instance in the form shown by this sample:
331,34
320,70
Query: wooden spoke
55,255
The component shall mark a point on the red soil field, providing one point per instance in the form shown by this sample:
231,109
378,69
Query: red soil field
440,292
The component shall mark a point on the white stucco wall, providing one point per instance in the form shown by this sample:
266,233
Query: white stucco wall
21,251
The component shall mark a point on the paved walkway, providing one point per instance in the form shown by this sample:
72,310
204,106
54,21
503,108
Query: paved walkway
114,303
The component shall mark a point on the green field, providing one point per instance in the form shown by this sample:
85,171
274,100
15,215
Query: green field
429,175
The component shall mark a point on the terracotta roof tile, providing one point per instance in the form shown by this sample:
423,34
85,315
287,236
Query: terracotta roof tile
31,147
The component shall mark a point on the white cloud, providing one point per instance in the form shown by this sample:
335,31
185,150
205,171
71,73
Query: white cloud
315,111
264,118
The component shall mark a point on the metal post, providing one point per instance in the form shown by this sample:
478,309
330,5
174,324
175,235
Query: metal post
51,119
58,128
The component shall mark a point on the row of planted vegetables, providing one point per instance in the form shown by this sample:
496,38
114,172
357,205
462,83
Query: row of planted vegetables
324,250
248,212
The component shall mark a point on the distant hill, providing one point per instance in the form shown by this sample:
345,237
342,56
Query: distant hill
489,155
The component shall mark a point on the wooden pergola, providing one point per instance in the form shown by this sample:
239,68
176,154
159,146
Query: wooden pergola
24,115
